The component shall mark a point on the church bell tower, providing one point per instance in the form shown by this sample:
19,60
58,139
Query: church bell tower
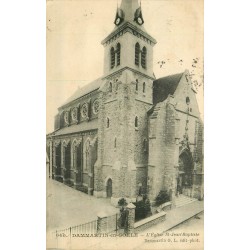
129,45
126,96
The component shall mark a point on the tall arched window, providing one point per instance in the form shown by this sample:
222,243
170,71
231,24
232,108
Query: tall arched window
136,85
118,54
137,54
87,154
110,87
144,58
144,87
136,122
115,143
107,122
145,145
112,58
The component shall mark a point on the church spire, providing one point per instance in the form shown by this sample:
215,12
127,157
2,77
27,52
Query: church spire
130,11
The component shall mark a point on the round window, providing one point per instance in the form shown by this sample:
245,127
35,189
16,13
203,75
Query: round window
96,106
74,114
66,117
84,110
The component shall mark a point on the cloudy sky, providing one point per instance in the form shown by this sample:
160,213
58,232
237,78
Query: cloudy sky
75,29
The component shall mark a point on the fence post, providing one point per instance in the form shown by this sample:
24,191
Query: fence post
131,217
70,238
102,223
56,240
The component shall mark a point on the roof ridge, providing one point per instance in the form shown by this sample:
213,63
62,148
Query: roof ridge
80,91
176,74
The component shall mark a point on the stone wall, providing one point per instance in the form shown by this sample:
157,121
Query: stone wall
128,41
162,149
80,175
167,127
149,222
87,101
123,146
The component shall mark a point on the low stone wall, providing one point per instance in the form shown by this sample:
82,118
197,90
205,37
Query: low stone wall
164,207
149,222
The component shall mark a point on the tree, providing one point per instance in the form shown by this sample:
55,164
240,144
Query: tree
162,197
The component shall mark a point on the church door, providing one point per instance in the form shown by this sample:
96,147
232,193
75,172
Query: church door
109,188
185,181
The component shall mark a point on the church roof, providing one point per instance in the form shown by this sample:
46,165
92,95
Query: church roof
84,126
90,87
165,86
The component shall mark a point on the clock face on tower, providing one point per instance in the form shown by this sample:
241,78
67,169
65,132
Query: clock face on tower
117,21
119,17
138,16
139,20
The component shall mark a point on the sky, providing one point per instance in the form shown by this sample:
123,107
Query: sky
75,56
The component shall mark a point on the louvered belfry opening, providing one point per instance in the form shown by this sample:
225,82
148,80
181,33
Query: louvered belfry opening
144,58
137,54
118,54
112,57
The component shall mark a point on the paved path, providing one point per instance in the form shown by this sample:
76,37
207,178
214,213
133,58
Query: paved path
68,207
173,218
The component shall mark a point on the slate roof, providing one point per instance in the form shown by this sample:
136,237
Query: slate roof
90,87
84,126
165,86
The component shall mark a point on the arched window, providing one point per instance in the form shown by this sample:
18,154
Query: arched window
145,145
143,58
136,122
118,54
110,87
112,58
87,154
136,85
137,54
107,122
144,87
115,143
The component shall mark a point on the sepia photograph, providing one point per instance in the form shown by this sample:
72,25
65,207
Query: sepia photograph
124,124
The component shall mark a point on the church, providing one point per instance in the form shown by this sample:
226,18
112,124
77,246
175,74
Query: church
127,133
